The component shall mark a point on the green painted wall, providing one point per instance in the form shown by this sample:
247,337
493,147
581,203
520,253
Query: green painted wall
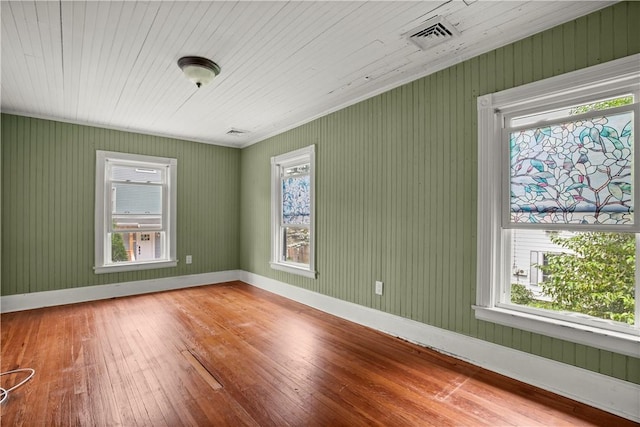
48,185
396,188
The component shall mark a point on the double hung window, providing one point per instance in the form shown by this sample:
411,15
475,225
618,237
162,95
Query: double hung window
135,212
292,212
558,176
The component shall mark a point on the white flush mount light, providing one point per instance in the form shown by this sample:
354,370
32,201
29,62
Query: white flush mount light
199,70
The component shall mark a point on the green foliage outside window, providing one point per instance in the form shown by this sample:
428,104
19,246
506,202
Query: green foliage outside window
597,279
118,251
521,295
603,105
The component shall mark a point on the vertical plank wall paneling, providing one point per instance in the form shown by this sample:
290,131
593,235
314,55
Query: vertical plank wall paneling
48,183
396,188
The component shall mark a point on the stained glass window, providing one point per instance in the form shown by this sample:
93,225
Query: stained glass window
557,237
573,172
296,200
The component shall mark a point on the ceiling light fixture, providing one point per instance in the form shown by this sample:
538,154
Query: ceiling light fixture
199,70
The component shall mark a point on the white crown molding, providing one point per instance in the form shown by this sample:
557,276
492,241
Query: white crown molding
99,125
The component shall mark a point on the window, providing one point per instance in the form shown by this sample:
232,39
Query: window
530,251
135,212
557,188
292,212
541,264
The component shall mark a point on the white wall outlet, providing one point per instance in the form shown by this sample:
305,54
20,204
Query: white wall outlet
189,259
378,287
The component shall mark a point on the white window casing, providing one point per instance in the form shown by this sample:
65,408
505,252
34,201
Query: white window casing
279,164
164,222
493,228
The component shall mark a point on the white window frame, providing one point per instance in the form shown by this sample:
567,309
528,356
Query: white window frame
278,164
493,244
103,208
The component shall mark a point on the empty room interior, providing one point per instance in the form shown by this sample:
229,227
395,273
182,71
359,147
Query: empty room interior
319,213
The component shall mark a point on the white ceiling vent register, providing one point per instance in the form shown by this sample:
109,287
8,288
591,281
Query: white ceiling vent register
431,33
236,132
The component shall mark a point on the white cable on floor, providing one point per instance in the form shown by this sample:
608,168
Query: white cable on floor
5,393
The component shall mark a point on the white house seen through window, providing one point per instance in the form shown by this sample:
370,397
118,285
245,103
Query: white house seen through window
135,212
558,185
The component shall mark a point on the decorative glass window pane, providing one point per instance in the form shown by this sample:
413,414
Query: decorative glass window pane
574,172
296,200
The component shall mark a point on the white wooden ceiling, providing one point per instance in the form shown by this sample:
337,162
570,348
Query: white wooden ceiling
113,64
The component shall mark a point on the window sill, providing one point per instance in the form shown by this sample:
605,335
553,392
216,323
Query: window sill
300,271
116,268
617,342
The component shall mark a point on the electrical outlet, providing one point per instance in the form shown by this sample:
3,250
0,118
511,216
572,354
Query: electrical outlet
189,259
378,287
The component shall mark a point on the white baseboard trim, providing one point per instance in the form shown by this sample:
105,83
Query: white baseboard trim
597,390
33,300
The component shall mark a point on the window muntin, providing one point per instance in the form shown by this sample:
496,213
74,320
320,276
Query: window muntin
135,212
560,101
293,212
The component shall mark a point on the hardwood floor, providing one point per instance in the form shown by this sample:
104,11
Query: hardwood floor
160,359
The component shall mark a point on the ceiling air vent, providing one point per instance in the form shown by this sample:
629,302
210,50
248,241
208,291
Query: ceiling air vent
431,33
236,132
